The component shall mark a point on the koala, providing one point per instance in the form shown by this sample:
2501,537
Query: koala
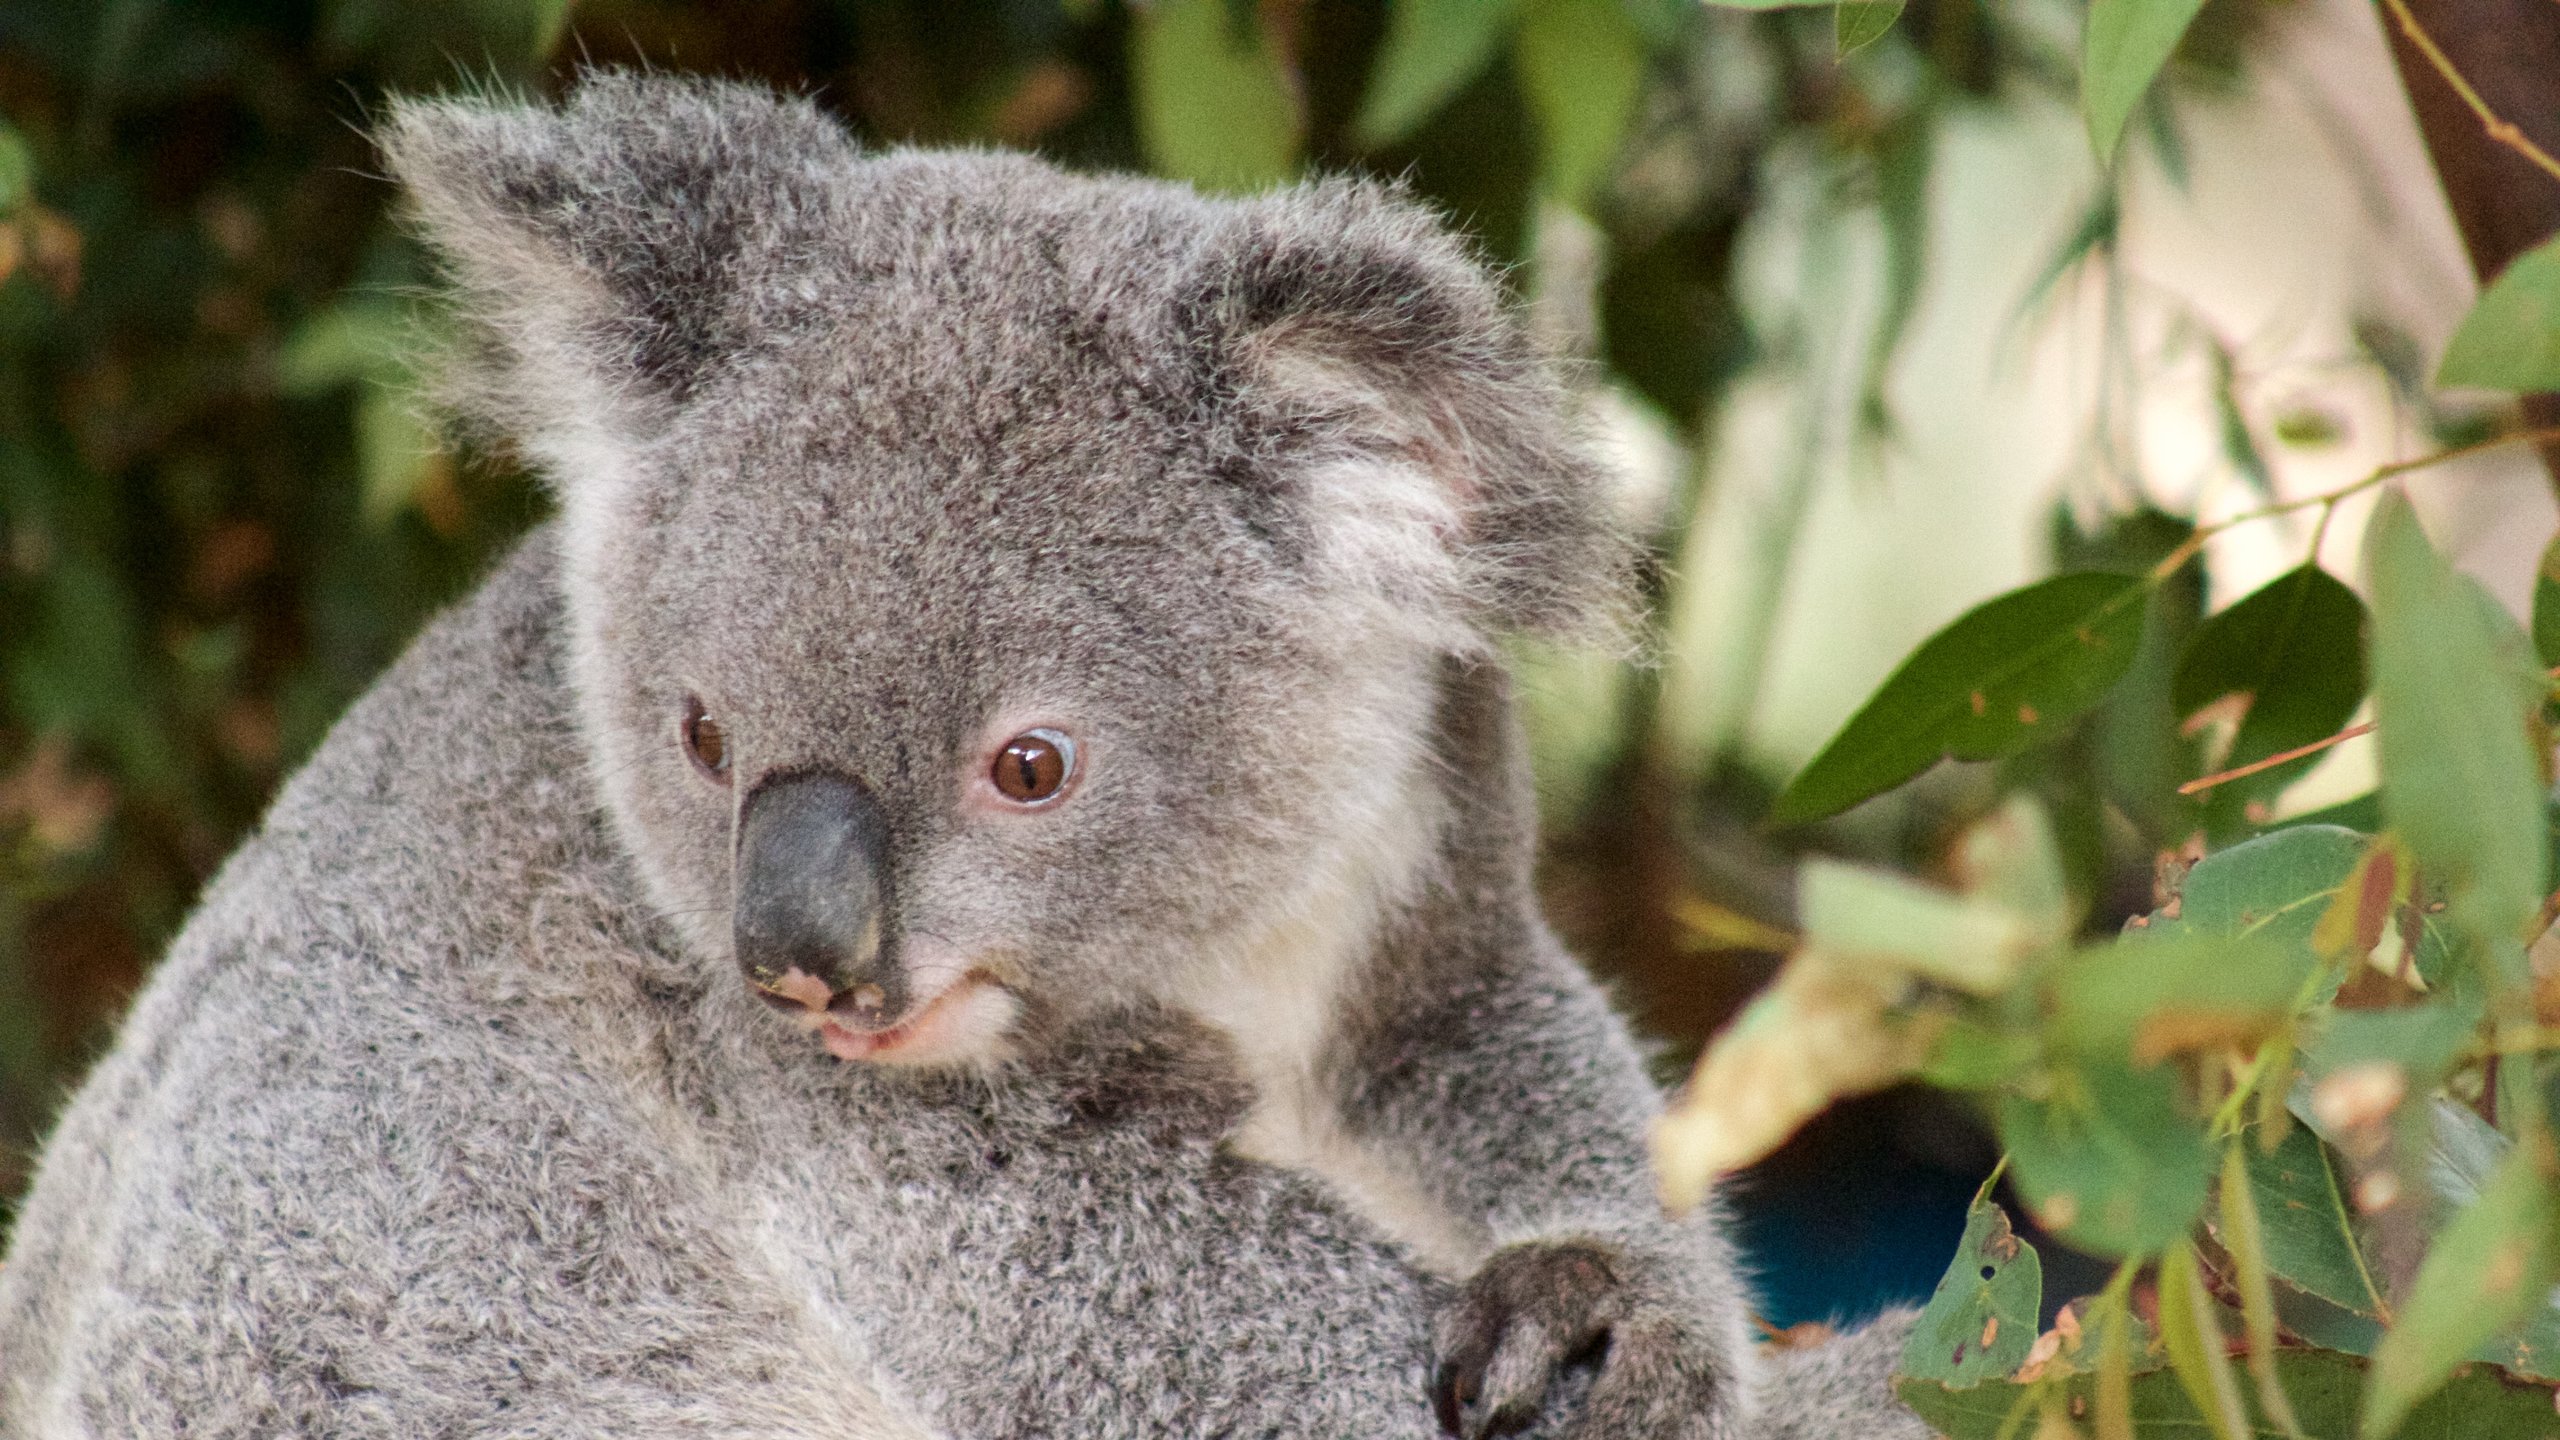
974,882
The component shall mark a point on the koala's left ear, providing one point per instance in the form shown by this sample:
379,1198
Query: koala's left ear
1371,376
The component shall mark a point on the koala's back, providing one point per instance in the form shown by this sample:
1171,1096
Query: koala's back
369,1158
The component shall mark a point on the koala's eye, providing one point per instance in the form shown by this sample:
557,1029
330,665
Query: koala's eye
705,742
1034,767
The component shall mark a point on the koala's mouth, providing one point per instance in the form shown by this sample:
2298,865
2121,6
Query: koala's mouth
965,1021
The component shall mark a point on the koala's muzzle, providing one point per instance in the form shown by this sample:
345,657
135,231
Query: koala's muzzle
811,915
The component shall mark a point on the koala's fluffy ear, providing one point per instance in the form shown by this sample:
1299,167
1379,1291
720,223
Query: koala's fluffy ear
1374,374
604,248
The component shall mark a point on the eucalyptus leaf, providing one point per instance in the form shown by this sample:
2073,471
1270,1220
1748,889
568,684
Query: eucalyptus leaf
2150,999
2454,685
1981,1320
1857,24
1214,105
2484,1270
2511,338
1432,49
2546,607
2006,674
2308,1233
2326,1387
2121,54
1582,66
2293,652
2191,1333
2274,887
17,169
2109,1156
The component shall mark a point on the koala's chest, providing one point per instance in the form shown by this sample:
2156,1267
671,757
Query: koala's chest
1283,1010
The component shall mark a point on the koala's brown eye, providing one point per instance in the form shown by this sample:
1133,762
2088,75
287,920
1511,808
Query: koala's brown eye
706,742
1034,767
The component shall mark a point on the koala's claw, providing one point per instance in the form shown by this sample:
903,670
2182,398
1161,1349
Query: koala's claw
1538,1310
1532,1311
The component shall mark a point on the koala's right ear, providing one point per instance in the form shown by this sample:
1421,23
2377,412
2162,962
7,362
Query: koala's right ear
1380,384
604,248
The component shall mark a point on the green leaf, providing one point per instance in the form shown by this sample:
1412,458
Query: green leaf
1763,4
1582,64
395,450
1214,106
17,169
2150,998
2511,338
357,342
2325,1385
2006,674
2126,44
1969,1055
2294,649
550,18
2485,1269
2109,1158
2453,689
2309,1234
2273,887
2242,1231
2546,607
2191,1331
1433,48
1981,1320
1858,24
1968,942
2238,445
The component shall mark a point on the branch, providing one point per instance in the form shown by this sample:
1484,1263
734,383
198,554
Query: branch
2223,777
2502,131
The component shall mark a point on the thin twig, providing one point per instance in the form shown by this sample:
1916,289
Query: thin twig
2187,549
2502,131
2243,772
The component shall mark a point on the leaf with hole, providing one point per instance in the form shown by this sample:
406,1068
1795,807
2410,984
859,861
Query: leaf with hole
1981,1320
2007,674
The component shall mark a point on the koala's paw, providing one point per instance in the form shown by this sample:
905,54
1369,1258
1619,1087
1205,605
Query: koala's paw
1537,1311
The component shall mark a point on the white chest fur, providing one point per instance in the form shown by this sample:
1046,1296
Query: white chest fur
1281,999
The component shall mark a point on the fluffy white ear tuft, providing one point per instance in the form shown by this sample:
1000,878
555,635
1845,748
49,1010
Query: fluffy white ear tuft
1431,450
606,251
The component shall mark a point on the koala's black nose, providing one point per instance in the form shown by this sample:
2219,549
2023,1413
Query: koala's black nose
813,880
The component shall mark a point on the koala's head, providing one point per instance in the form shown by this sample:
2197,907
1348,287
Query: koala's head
995,592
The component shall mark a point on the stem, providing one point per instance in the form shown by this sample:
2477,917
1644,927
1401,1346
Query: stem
2187,550
2243,772
2500,130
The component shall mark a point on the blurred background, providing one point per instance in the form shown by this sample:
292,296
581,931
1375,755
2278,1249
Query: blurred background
1874,334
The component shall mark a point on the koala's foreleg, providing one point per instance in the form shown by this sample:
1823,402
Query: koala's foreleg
1519,1104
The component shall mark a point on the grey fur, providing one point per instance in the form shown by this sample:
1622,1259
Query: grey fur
449,1112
